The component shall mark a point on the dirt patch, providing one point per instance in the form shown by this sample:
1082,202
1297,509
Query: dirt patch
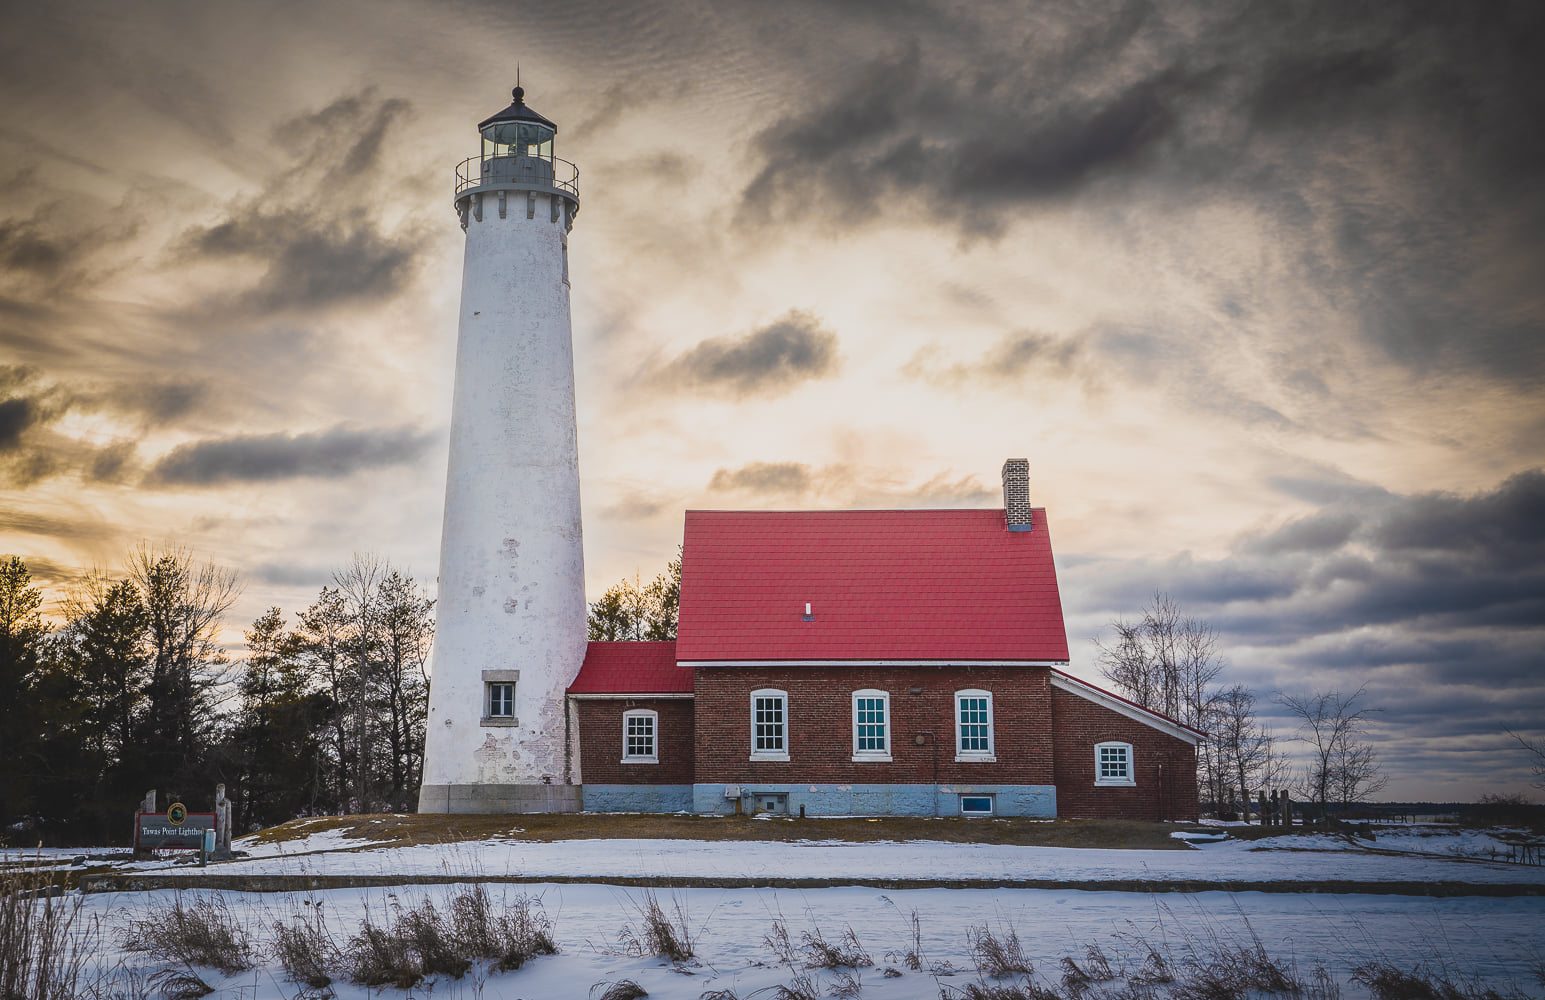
406,830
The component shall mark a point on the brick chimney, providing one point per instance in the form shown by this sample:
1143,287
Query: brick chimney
1016,495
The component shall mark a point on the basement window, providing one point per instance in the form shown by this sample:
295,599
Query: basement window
975,805
1113,764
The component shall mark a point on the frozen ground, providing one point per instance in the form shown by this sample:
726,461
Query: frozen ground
1495,940
1314,858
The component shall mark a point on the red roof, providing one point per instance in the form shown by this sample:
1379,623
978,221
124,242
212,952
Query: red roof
631,668
937,585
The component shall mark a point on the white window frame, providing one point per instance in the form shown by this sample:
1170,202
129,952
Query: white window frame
490,679
992,804
872,756
488,701
783,699
654,736
982,756
1131,776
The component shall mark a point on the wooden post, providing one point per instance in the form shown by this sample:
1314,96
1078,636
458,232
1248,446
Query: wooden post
222,822
1287,810
1261,806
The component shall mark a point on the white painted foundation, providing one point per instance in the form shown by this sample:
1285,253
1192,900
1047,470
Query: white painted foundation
512,575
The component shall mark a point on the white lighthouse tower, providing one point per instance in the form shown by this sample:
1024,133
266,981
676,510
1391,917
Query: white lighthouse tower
511,615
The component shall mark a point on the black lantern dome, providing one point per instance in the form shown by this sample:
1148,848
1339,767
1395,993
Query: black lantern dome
520,127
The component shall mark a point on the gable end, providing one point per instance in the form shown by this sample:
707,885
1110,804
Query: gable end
1105,699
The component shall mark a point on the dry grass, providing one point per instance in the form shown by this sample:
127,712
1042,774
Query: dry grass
1389,982
997,957
667,935
1095,968
179,984
305,948
422,941
511,934
622,989
389,830
377,956
200,932
844,953
44,944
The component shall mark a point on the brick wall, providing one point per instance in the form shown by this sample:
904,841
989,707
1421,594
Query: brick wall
600,741
1078,724
820,724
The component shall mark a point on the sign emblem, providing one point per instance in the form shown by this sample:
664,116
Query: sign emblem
176,813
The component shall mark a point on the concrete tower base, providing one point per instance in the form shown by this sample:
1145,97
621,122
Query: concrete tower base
500,798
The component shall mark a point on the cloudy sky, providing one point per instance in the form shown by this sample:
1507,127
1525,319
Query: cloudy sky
1258,289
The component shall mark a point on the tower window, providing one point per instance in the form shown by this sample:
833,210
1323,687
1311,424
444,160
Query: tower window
501,701
499,697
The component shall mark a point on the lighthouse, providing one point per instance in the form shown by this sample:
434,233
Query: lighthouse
510,621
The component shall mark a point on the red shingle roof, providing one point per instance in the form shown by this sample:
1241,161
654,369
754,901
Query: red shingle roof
946,585
631,668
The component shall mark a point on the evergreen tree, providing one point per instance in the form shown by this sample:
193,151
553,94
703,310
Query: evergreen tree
22,635
630,610
279,728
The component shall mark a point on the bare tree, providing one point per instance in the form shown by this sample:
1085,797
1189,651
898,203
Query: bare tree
1246,749
407,628
185,603
1342,766
1537,750
1169,662
359,584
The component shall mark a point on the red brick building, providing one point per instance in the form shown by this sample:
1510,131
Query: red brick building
896,662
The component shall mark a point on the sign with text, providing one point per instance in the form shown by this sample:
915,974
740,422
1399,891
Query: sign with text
175,829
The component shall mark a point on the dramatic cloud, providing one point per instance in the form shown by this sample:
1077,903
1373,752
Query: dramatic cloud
16,415
772,359
313,228
1433,601
765,478
1013,358
1255,288
846,485
329,454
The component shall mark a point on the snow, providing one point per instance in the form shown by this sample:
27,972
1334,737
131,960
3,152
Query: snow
1292,859
1490,938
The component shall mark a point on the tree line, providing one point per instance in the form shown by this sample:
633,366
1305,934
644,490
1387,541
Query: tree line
135,689
1168,661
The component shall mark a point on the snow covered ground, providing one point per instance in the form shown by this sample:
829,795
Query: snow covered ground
1495,940
1296,858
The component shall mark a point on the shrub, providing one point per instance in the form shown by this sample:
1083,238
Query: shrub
623,989
201,932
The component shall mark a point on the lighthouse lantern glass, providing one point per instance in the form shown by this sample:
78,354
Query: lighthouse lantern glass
518,138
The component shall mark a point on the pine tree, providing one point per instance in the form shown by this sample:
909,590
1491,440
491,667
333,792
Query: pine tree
22,635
